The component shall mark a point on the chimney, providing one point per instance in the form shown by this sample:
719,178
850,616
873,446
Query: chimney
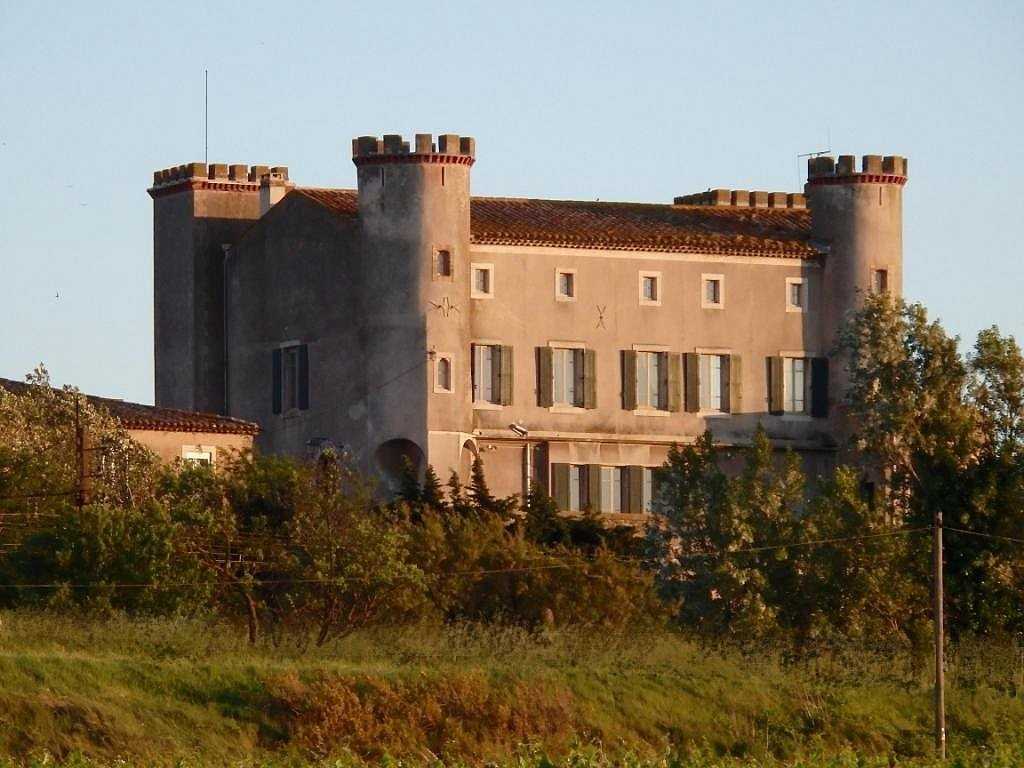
273,186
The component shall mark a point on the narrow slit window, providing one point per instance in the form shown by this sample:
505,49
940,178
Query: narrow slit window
880,281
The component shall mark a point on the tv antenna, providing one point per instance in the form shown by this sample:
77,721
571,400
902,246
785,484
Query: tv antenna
206,116
819,153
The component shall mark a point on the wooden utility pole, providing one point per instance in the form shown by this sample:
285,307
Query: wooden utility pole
82,474
940,673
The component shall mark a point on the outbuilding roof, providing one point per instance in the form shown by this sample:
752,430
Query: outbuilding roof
151,417
724,230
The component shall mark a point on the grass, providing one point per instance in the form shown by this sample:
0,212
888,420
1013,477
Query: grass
93,692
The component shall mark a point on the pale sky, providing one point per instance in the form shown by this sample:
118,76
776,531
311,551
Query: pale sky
617,101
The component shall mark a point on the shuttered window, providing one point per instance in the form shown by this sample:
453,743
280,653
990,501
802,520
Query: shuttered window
711,383
563,387
290,380
611,489
575,486
794,396
650,368
492,373
566,377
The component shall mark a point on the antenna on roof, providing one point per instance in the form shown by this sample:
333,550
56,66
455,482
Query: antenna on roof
813,154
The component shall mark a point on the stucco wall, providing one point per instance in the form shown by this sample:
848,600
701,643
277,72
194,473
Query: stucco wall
170,445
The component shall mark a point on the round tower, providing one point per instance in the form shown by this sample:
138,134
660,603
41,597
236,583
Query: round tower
857,219
414,238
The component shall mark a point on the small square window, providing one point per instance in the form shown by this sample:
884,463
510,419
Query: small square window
483,281
565,284
650,288
712,292
880,281
796,294
443,264
443,375
197,455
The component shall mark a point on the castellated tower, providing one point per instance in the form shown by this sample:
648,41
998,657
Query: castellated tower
414,207
198,210
857,218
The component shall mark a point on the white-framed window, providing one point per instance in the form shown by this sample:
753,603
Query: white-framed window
444,268
443,374
565,284
794,384
796,294
564,364
648,491
650,370
879,281
650,289
712,291
611,489
198,455
484,363
576,476
710,376
483,281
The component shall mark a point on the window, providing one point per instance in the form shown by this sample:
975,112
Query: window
443,374
443,264
650,288
576,476
197,455
796,294
648,493
483,281
492,374
611,489
880,281
712,291
711,381
794,384
290,378
650,368
564,369
565,284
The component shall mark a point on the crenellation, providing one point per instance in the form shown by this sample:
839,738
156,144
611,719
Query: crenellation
391,145
220,173
238,172
742,198
824,169
758,199
778,200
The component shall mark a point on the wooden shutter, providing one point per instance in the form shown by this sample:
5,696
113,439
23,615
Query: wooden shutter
635,494
819,387
579,375
506,372
733,395
594,487
590,379
692,365
662,381
495,373
629,379
275,397
544,364
776,404
674,382
303,377
560,484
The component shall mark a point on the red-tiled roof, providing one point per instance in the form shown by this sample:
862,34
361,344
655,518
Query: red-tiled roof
139,416
727,230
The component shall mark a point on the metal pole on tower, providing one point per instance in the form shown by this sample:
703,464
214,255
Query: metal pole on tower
206,116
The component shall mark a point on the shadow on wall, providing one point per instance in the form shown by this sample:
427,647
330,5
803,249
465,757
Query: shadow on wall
391,457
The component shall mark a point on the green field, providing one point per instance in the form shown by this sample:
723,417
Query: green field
79,692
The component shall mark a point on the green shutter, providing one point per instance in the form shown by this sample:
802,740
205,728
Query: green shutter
662,381
544,364
506,381
560,485
495,373
629,379
692,360
674,382
819,387
594,487
590,379
734,394
635,498
776,403
579,375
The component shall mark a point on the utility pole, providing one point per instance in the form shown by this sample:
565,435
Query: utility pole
82,474
940,674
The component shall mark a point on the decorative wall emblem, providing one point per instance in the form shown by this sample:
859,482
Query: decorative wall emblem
600,315
445,307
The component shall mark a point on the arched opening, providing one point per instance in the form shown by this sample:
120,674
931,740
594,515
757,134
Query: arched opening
444,374
467,456
391,458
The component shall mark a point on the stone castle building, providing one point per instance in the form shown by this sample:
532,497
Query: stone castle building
563,342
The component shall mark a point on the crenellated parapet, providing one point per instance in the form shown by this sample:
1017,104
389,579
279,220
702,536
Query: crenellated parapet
741,198
875,169
215,176
449,148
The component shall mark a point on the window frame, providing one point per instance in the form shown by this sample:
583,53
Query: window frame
706,278
875,272
474,292
614,485
788,375
661,355
706,405
572,272
805,295
645,275
199,455
436,273
439,388
475,369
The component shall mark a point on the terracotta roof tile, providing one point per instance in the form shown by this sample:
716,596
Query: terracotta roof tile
139,416
727,230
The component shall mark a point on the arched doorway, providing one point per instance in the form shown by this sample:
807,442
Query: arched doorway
391,458
467,456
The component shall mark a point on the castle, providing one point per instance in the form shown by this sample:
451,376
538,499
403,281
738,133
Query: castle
568,343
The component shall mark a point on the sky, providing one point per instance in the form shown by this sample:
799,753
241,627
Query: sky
584,100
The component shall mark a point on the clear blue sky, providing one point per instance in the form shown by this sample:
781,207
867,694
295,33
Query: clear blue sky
628,101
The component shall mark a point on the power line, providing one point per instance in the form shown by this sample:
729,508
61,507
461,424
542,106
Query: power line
995,536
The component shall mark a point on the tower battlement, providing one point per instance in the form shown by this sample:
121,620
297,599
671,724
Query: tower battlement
449,148
825,169
237,175
741,198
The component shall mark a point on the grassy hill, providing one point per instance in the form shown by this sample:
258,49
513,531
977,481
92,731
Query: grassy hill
166,691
